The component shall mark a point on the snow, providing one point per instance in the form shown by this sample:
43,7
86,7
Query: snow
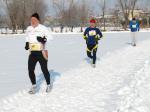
76,30
134,97
117,84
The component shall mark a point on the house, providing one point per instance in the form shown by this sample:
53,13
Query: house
138,13
110,20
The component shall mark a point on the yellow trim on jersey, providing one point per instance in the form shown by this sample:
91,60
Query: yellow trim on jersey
96,46
88,50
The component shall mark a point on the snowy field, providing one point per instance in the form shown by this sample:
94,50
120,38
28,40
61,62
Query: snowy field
119,83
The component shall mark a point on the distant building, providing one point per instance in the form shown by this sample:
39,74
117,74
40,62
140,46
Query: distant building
138,13
110,20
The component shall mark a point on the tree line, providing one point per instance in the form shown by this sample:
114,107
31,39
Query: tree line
16,13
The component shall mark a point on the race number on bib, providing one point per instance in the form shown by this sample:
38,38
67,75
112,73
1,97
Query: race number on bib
35,47
133,26
92,33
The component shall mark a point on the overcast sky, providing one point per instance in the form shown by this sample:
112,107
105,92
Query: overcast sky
92,3
96,8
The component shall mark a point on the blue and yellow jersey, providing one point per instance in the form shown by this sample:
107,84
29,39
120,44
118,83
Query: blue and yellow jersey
92,35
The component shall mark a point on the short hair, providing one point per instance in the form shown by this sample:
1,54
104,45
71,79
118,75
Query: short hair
134,19
36,15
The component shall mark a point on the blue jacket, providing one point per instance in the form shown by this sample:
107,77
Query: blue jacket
134,26
92,35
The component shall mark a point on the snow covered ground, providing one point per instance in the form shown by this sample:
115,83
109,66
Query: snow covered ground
117,84
67,30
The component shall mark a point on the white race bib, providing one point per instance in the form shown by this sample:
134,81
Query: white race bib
133,26
92,33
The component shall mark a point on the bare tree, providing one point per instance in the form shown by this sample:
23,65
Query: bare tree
40,7
59,6
12,11
146,8
22,19
127,7
103,9
133,4
83,13
19,12
0,15
102,5
27,7
71,12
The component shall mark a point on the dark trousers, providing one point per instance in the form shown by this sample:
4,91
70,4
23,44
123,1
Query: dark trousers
91,52
34,57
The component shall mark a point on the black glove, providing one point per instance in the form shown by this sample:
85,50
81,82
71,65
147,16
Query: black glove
42,40
27,46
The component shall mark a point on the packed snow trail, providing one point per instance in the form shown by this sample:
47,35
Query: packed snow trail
135,95
84,89
66,51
